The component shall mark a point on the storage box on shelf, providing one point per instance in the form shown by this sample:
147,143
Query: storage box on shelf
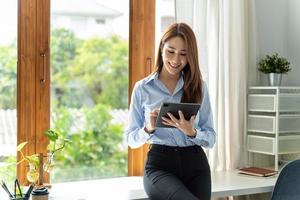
274,121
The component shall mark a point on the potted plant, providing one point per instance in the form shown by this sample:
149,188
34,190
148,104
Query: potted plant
274,66
34,163
54,146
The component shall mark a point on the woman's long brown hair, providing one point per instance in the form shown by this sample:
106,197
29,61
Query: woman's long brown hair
192,76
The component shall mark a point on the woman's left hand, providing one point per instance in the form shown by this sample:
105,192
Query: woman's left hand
186,126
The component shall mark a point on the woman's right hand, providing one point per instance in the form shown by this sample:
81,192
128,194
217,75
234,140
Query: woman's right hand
150,127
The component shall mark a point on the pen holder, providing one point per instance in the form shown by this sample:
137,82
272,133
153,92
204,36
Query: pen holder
19,197
40,194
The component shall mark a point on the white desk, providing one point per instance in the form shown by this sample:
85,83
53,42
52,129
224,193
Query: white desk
223,184
233,184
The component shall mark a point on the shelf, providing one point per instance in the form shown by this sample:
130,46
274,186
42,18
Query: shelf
262,103
273,118
267,124
269,103
289,144
261,123
267,145
274,87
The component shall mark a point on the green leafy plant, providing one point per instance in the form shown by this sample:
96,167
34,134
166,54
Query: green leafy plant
53,147
9,169
34,159
274,64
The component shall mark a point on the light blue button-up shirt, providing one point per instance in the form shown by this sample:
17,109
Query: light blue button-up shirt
148,94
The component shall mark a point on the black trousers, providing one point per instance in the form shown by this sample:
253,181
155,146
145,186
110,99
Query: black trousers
177,173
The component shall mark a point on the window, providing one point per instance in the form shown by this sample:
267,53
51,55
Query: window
166,21
100,21
89,81
8,86
33,73
164,16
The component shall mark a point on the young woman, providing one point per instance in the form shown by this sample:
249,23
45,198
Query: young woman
176,167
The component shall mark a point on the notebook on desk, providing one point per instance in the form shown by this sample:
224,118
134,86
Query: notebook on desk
257,171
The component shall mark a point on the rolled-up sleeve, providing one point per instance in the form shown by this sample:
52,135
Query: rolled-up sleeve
206,135
136,136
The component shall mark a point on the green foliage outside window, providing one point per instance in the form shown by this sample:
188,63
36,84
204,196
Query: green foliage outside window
96,150
96,68
8,76
8,171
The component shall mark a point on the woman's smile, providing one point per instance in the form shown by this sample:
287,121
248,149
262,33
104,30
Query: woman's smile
174,55
175,66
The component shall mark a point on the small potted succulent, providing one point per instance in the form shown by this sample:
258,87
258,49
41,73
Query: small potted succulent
274,66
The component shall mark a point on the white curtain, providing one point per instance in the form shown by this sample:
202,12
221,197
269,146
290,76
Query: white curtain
226,42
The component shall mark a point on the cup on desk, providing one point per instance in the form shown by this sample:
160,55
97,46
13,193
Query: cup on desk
40,194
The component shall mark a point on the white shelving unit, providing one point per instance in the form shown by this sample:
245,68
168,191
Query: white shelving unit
273,121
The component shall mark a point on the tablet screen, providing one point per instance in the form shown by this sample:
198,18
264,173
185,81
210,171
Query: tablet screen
188,110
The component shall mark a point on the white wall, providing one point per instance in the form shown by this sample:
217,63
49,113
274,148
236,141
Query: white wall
278,30
293,36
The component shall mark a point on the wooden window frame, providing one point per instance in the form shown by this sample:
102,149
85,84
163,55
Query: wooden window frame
33,73
141,60
33,79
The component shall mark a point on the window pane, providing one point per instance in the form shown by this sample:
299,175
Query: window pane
165,16
89,87
8,75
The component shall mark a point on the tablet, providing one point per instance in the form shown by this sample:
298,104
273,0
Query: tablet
188,110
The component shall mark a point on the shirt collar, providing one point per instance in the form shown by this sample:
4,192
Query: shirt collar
154,76
180,83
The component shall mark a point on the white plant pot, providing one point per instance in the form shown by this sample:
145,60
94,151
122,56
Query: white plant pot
275,79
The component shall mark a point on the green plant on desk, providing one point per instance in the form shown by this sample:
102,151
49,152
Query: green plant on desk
53,147
35,160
